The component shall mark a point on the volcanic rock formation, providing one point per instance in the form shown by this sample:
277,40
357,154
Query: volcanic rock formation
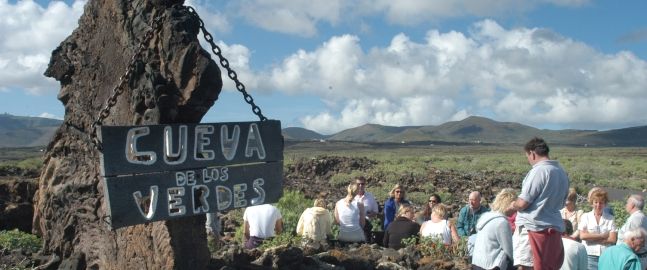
174,81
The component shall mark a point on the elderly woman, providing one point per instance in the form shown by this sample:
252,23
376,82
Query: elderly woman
425,215
571,213
493,244
315,225
597,229
391,205
438,227
401,228
350,216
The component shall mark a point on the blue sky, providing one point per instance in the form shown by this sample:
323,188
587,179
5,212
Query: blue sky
331,65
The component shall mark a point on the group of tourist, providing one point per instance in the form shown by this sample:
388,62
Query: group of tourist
538,228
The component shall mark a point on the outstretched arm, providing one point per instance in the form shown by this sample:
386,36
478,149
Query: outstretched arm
278,227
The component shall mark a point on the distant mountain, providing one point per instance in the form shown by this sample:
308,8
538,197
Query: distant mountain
301,134
25,131
475,129
369,133
22,131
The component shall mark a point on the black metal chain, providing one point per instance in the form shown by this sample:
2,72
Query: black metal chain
225,64
120,87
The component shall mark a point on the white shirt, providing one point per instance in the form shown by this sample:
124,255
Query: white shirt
348,216
439,230
262,219
370,204
635,220
575,257
606,225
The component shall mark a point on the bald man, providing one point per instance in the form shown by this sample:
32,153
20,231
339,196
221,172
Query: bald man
469,214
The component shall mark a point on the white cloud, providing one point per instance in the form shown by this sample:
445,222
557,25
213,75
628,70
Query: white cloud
214,20
302,17
289,16
29,34
49,115
528,75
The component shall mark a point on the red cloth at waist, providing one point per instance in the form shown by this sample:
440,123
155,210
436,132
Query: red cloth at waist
547,249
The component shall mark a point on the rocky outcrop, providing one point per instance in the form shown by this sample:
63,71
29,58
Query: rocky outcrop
16,208
175,81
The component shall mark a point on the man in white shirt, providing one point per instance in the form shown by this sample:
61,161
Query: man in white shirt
261,222
370,204
637,219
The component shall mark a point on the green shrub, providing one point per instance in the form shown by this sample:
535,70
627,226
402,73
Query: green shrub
34,164
291,205
434,247
280,240
16,239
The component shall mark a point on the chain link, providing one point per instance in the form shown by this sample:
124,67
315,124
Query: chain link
225,64
120,87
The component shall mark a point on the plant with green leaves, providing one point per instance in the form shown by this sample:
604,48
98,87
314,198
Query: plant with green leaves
15,239
434,247
292,205
281,240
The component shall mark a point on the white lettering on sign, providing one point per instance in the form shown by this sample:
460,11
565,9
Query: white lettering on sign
175,145
239,195
223,196
259,190
196,196
203,206
151,199
201,141
254,142
133,155
229,145
175,207
215,174
172,156
185,178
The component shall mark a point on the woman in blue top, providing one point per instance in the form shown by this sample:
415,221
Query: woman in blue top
396,198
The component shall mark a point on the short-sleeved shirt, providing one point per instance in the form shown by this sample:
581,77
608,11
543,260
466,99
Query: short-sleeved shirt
636,220
606,224
370,204
262,220
575,256
544,188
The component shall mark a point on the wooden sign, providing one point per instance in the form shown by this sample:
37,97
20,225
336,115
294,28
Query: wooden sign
160,172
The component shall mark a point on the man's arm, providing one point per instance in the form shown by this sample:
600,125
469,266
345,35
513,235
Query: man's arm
278,227
362,217
520,204
373,208
245,231
460,223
